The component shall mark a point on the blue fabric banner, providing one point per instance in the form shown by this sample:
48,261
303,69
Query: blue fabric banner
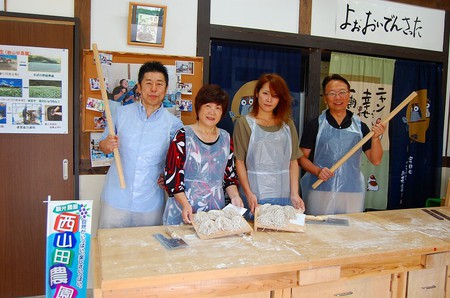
235,64
416,135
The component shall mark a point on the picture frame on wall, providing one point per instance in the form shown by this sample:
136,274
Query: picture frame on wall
146,24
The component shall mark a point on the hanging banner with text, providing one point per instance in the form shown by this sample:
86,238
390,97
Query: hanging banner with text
68,243
382,22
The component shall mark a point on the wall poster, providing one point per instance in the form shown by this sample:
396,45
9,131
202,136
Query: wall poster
33,90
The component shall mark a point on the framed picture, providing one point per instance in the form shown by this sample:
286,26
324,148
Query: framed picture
147,24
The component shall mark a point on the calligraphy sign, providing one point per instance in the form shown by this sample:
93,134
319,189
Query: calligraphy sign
381,22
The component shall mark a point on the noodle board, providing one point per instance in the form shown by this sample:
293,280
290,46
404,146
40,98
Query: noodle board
246,229
289,228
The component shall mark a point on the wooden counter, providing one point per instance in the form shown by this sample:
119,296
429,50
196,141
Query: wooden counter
374,256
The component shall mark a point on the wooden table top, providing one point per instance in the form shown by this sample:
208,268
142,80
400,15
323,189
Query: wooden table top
133,254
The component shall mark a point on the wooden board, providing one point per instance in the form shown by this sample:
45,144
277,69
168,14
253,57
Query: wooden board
289,228
133,264
246,229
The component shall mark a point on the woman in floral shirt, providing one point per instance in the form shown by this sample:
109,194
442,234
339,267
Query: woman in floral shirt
200,162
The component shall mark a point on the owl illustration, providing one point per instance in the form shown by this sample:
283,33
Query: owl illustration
246,103
372,184
416,114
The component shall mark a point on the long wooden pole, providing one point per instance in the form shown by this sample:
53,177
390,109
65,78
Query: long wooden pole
109,118
367,137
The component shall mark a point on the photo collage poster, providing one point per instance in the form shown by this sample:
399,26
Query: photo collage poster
33,90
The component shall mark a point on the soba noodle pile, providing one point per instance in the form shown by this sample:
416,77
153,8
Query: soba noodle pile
275,215
215,221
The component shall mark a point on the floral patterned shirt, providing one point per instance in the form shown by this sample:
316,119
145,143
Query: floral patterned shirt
175,160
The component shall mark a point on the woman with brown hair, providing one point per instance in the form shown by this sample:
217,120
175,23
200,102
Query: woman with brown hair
200,162
267,147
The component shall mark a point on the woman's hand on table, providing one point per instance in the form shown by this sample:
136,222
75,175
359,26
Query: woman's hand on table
297,202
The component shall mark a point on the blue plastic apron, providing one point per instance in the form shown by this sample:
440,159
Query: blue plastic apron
343,193
268,159
204,171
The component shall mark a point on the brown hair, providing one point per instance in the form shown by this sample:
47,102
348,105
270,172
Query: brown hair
212,93
278,86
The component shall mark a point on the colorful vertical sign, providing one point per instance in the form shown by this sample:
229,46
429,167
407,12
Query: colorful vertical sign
68,243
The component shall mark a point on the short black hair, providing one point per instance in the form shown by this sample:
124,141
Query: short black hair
153,66
334,77
212,93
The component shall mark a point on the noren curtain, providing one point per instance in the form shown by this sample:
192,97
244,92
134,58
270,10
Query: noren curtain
416,138
371,80
235,64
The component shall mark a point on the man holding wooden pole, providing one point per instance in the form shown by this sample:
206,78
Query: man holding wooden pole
324,141
143,131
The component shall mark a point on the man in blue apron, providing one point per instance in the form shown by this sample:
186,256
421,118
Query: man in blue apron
143,133
327,139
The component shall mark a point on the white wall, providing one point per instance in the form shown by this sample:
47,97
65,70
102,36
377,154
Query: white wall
257,14
62,8
109,27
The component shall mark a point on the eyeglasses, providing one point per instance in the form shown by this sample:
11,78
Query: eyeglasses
334,94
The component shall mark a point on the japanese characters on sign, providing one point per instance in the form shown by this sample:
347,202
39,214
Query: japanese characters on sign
389,23
33,90
68,244
370,104
382,22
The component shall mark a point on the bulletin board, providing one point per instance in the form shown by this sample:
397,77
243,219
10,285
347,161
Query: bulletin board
185,80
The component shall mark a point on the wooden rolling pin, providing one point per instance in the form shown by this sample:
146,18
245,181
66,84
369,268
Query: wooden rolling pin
367,137
108,115
316,217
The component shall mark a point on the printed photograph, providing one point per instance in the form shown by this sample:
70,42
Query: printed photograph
26,114
8,62
2,113
95,104
105,59
184,88
10,87
99,122
146,24
44,64
184,67
98,158
94,83
45,89
186,105
53,113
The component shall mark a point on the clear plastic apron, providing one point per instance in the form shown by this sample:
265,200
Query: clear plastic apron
343,193
267,162
204,171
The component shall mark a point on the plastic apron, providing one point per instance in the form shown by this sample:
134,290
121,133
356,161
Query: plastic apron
204,171
268,159
142,160
343,193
